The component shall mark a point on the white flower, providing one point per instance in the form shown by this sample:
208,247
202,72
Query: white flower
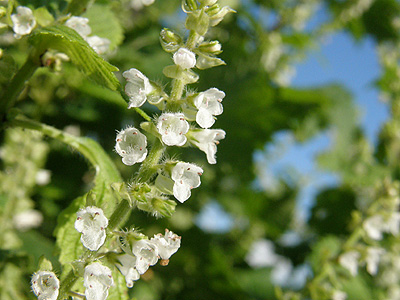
374,226
207,140
173,127
80,25
184,58
186,177
43,176
127,267
97,279
209,104
45,285
100,45
23,21
146,254
349,260
91,222
167,244
27,219
138,4
392,224
373,258
131,146
137,88
339,295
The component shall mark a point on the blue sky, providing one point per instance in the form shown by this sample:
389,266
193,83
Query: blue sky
340,59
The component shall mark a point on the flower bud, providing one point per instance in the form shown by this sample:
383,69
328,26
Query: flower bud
213,47
217,14
170,41
184,58
189,5
208,2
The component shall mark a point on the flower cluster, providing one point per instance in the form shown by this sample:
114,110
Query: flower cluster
81,26
184,119
140,253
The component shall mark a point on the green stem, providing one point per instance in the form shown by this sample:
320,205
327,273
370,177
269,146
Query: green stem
16,86
119,214
86,146
192,40
177,90
137,109
149,165
66,284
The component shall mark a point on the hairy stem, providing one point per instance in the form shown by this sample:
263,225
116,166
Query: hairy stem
149,165
16,86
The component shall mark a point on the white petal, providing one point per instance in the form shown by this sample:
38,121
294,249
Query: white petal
204,118
23,21
181,192
131,146
93,239
99,45
184,58
80,25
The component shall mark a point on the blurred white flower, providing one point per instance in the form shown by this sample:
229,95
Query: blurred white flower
349,260
80,25
138,4
373,258
339,295
27,219
23,21
100,45
43,177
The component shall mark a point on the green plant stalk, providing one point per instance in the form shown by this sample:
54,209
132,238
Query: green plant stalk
119,214
66,284
150,164
16,86
85,146
137,109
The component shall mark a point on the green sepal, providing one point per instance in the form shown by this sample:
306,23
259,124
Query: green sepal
207,61
176,72
198,21
67,40
170,41
90,199
121,189
189,5
45,264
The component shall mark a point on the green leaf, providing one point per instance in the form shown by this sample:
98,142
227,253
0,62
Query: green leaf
67,40
68,238
111,29
43,16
